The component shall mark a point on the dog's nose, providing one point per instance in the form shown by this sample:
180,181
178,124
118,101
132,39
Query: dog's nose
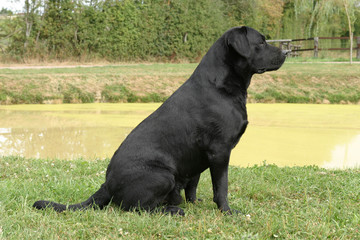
286,52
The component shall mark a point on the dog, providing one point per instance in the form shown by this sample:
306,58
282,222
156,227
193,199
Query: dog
193,130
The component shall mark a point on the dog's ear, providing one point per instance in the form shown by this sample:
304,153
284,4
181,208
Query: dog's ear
239,42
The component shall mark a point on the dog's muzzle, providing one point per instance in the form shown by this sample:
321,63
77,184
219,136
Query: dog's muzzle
286,52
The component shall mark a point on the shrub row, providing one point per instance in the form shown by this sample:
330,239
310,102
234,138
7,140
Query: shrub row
111,93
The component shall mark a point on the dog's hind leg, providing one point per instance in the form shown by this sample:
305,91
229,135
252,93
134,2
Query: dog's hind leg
149,191
174,198
99,199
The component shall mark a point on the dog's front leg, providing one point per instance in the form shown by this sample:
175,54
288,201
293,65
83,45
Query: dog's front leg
219,177
190,189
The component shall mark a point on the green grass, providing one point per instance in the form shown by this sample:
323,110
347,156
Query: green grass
283,203
294,83
119,93
308,83
124,83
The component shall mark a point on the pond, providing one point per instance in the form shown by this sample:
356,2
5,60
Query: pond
282,134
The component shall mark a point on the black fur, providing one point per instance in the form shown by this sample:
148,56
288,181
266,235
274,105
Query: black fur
195,129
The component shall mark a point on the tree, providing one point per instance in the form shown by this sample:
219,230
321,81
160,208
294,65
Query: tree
5,11
263,15
30,15
351,6
123,30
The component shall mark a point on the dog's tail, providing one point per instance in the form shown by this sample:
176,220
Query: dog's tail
99,199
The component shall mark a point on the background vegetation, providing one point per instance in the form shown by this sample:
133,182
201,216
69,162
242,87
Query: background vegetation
161,30
292,83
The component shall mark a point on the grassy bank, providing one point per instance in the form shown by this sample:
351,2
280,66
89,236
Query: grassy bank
283,203
293,83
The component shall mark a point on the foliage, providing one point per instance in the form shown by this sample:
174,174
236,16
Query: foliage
264,16
165,30
5,11
292,83
118,93
74,94
120,30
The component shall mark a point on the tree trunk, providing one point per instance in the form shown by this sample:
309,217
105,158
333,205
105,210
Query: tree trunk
28,23
350,29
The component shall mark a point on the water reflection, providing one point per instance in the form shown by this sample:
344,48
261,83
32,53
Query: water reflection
283,134
67,131
68,143
345,155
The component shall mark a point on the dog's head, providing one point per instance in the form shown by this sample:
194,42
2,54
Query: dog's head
250,49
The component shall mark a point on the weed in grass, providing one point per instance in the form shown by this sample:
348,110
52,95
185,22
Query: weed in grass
269,94
355,98
3,96
153,97
25,96
74,94
118,93
336,97
298,99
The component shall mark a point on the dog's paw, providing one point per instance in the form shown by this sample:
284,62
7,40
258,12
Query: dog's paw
192,200
232,212
173,210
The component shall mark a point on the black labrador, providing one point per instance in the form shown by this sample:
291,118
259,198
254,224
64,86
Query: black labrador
195,129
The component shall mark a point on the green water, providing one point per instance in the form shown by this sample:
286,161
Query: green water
283,134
